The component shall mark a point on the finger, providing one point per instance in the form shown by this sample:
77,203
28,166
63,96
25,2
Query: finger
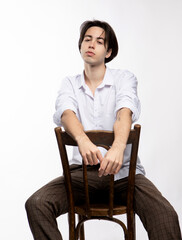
99,156
94,159
85,160
118,168
100,173
89,159
114,167
108,169
102,168
104,163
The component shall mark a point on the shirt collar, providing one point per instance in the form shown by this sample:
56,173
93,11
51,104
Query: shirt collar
108,80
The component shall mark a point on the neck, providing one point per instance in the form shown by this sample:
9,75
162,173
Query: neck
94,74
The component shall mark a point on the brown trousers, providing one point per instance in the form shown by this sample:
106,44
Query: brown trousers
44,206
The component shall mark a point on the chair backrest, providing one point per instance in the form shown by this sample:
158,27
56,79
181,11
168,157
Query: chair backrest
104,139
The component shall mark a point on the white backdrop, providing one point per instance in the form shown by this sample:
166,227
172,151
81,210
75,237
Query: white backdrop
38,47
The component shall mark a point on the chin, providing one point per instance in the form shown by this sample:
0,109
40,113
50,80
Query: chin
89,61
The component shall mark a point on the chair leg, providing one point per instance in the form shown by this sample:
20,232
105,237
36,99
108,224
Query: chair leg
82,232
131,226
71,220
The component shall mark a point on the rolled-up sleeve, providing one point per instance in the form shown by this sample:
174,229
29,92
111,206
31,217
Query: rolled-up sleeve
66,100
126,94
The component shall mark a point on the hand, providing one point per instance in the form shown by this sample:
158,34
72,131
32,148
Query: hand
112,161
89,152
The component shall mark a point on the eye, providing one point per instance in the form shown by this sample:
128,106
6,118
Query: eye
99,42
87,39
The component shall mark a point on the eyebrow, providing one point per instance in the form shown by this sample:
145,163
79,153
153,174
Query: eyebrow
90,36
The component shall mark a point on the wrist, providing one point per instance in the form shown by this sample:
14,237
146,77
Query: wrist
80,138
119,145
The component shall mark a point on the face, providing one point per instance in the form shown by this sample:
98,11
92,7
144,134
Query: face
93,48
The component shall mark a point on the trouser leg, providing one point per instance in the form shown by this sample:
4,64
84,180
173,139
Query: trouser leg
49,202
43,207
156,213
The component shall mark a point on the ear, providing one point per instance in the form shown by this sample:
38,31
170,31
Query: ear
109,51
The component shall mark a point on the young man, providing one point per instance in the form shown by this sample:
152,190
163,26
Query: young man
100,98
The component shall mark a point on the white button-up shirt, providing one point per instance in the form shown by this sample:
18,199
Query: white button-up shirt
117,90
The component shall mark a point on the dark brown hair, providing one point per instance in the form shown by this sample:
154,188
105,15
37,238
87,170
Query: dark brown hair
110,37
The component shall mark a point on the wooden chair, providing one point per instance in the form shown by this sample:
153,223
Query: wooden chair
88,211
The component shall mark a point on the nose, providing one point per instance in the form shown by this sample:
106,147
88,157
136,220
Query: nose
92,44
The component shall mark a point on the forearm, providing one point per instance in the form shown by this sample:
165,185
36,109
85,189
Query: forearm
113,159
72,125
89,152
122,127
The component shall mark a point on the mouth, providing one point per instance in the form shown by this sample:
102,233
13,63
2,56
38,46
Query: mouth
90,53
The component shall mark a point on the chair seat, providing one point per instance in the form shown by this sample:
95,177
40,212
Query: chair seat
100,210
